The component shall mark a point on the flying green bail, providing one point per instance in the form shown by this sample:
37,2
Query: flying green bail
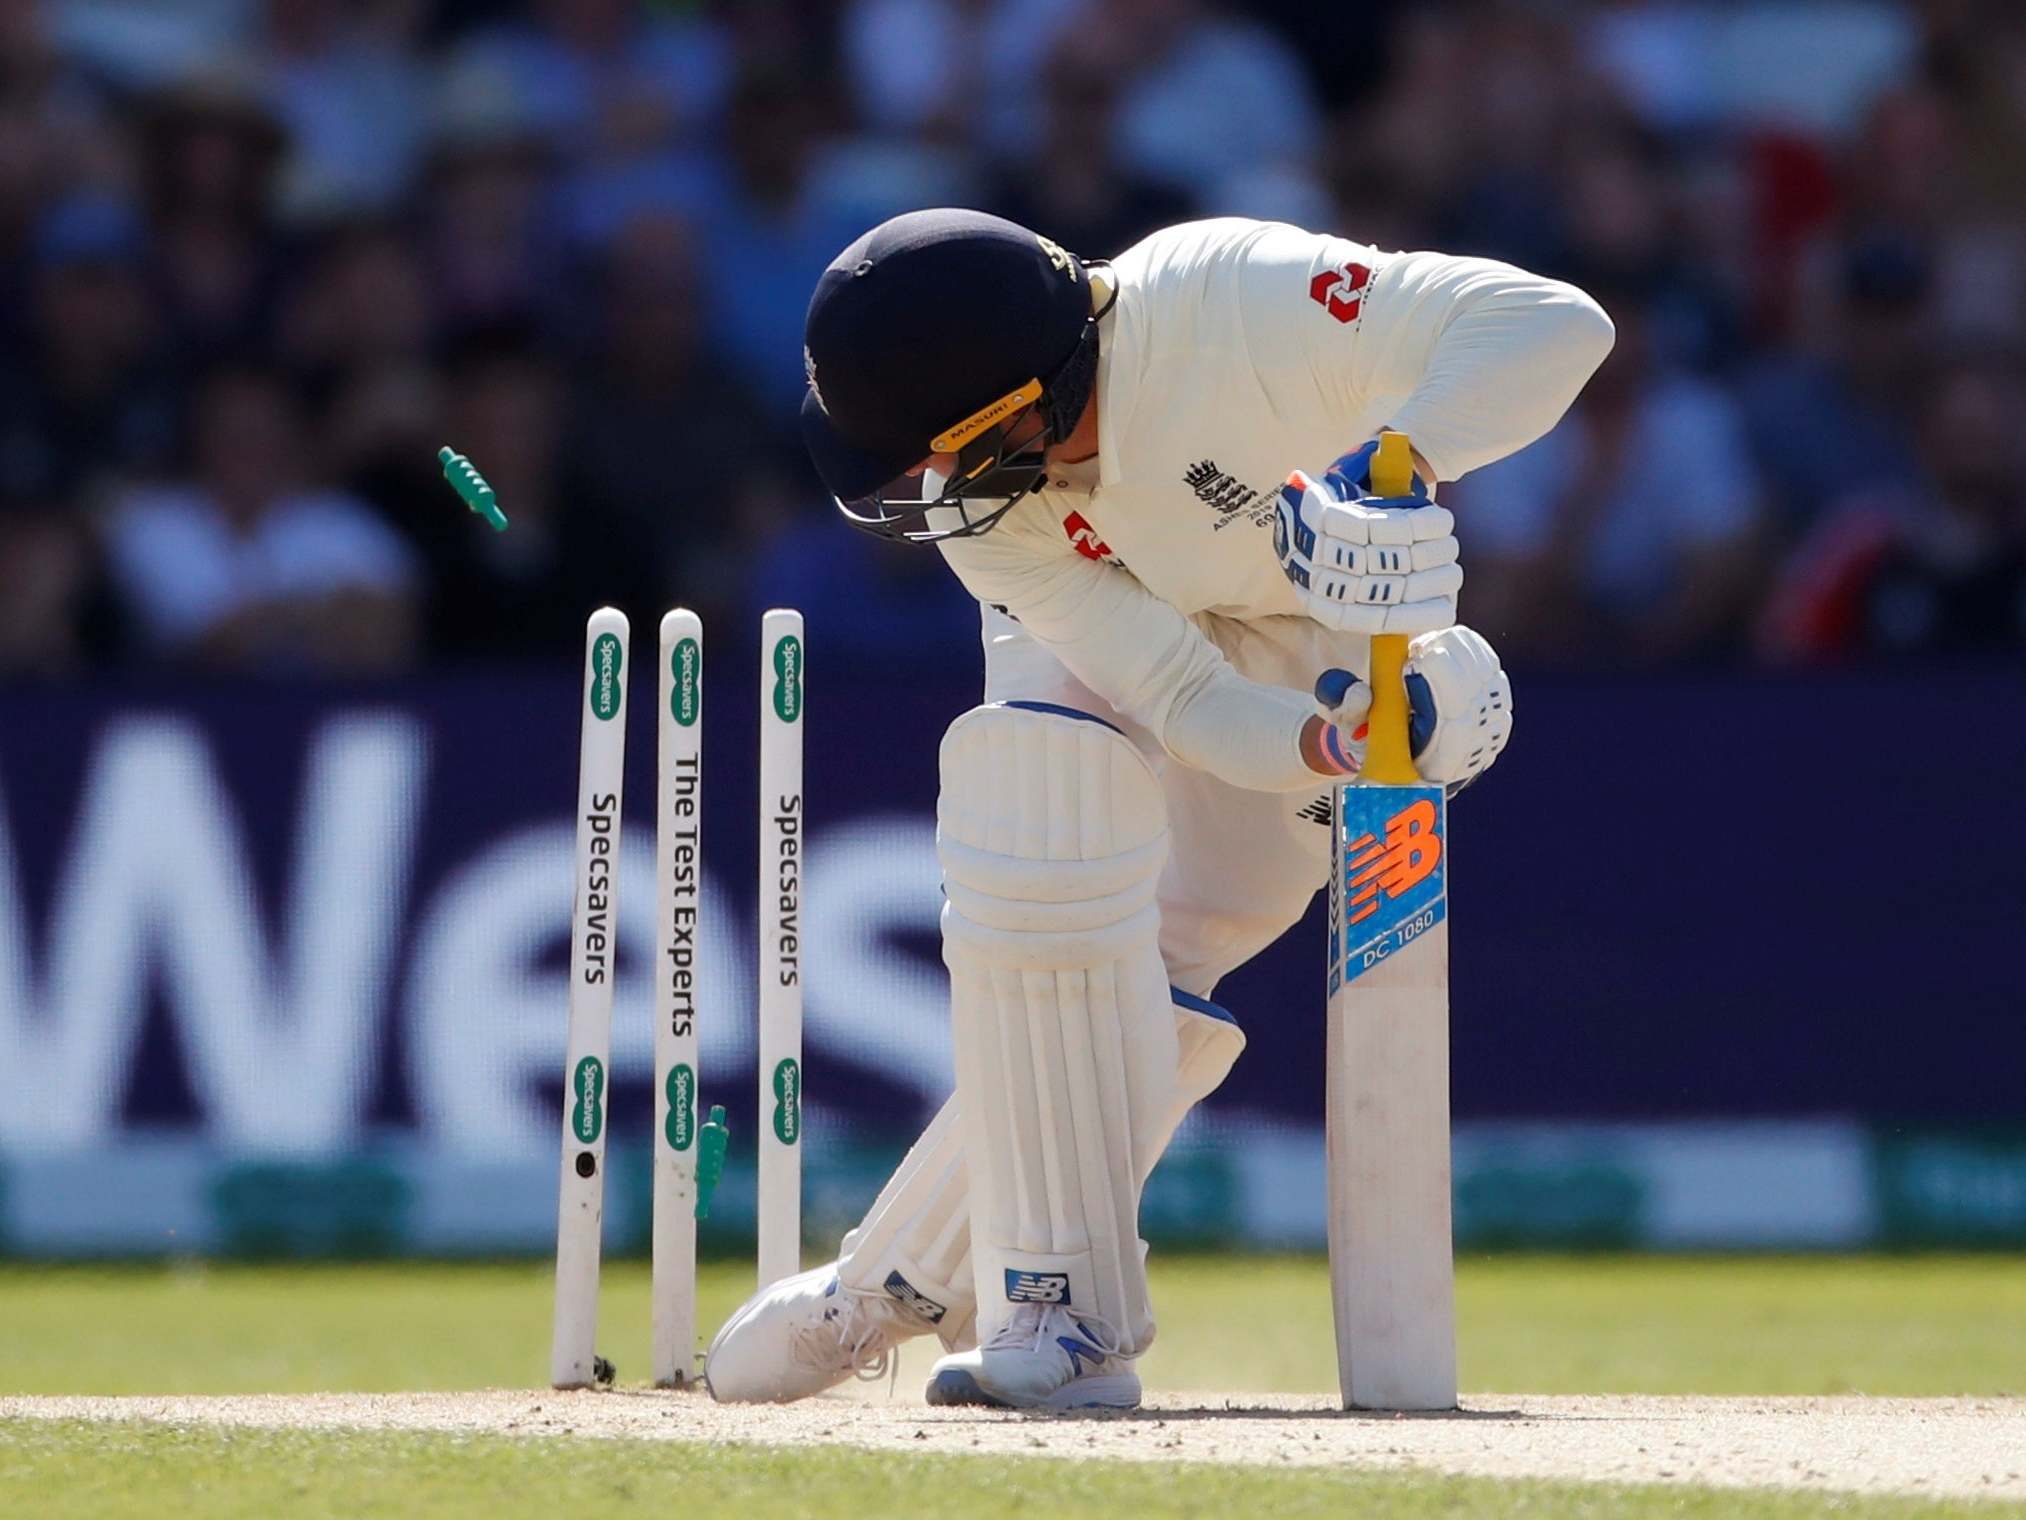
710,1158
470,485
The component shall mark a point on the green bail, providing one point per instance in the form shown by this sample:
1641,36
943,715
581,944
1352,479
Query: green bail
710,1158
471,486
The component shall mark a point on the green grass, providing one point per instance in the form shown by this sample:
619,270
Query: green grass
139,1472
1641,1324
1913,1325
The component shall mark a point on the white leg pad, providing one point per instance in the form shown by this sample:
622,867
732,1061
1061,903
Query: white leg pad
914,1243
1207,1046
1052,832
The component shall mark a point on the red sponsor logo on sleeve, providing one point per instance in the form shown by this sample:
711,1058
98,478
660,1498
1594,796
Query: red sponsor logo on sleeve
1084,537
1337,290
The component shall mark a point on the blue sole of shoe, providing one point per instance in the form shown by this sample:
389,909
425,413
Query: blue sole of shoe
957,1389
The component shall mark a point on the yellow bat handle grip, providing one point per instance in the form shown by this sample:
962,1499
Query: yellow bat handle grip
1388,758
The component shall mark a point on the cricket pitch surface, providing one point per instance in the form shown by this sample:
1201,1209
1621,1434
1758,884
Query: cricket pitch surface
1934,1447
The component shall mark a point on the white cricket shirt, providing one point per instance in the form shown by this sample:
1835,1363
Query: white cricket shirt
1237,351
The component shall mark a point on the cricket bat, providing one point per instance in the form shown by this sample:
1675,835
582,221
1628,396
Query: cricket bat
1392,1264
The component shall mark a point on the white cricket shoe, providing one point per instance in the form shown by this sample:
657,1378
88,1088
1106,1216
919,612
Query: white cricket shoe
1045,1357
802,1335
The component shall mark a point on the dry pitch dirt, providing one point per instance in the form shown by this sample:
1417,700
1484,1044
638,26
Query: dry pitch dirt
1970,1448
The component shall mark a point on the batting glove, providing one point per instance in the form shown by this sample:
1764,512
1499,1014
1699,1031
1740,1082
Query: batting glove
1459,704
1367,564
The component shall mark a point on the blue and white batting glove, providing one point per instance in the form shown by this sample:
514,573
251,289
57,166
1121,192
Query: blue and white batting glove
1365,563
1459,704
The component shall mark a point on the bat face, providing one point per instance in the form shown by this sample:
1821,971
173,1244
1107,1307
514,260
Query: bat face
1391,1262
1390,884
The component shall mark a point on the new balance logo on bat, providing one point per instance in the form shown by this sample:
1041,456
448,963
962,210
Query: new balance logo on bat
1407,855
1393,882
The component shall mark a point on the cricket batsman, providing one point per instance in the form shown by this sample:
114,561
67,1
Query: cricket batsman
1177,624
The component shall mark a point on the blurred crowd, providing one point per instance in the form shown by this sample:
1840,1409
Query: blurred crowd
259,258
